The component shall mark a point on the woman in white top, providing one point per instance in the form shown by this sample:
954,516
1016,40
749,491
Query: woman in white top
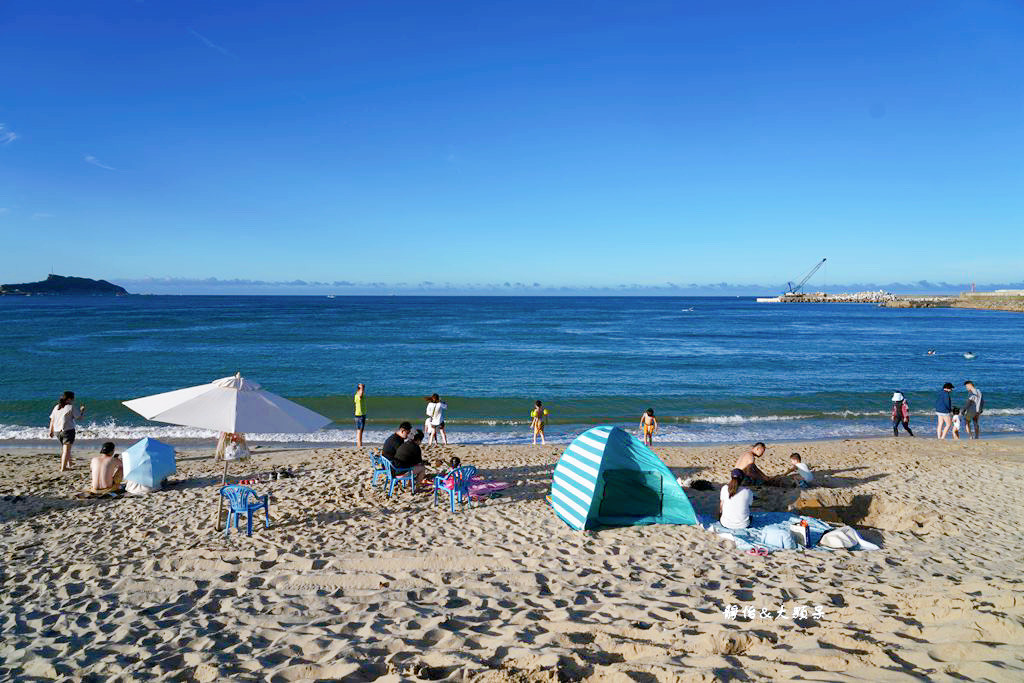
435,413
734,503
62,425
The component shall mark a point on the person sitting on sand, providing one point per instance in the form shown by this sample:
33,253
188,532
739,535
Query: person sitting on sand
393,442
734,502
409,454
746,463
649,425
538,420
805,477
106,470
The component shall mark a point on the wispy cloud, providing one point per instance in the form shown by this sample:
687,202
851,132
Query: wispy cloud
41,216
212,45
3,210
7,136
90,159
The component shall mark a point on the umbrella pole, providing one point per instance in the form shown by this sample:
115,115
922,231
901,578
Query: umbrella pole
220,498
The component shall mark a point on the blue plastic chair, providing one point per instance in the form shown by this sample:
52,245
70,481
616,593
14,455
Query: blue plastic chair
461,478
238,504
380,467
397,475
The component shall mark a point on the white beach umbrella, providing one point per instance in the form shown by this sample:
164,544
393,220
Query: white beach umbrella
230,404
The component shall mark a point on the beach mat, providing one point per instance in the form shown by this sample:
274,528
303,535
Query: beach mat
768,528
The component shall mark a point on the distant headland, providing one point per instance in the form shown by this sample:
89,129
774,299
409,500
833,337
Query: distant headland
64,285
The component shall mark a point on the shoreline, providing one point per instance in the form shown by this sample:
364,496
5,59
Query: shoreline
190,444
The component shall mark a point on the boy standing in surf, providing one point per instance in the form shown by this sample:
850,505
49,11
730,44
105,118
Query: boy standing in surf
649,425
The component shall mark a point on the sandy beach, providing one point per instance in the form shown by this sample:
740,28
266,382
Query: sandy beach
347,584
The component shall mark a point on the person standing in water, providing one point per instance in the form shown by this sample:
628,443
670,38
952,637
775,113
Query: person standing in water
360,412
900,414
62,425
435,411
538,420
943,410
649,425
973,410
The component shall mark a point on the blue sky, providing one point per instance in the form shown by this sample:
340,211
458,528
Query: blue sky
583,144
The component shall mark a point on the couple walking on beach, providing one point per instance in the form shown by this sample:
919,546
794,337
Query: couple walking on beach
948,416
432,426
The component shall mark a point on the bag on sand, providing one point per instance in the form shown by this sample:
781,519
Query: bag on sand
843,537
777,537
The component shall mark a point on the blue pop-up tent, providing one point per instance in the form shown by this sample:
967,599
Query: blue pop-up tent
148,462
606,477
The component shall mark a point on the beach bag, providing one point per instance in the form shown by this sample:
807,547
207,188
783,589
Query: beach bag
842,538
778,537
236,451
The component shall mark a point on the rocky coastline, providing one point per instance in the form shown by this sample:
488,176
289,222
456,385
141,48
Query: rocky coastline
1000,300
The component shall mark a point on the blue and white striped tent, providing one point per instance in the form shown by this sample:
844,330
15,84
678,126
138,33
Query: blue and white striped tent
606,477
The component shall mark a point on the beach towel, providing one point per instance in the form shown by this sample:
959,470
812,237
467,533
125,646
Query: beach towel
770,531
480,488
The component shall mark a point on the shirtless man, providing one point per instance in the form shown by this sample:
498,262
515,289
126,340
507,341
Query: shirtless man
746,463
106,470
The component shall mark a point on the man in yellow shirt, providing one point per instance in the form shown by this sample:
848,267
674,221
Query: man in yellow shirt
360,413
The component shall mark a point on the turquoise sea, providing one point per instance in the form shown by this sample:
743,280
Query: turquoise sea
713,369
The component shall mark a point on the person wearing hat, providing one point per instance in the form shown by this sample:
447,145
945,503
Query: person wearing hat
973,410
900,414
106,470
944,410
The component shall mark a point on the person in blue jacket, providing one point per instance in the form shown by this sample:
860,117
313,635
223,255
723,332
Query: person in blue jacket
944,410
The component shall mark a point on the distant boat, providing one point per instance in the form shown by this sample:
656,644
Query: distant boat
330,296
687,310
970,355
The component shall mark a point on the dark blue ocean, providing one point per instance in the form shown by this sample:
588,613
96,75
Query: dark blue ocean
713,369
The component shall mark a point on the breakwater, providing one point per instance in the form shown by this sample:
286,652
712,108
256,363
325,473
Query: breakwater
1000,300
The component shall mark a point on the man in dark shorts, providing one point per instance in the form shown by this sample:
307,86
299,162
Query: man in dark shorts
973,410
411,455
747,464
360,412
392,443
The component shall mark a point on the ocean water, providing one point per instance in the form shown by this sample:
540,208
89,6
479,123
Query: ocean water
713,369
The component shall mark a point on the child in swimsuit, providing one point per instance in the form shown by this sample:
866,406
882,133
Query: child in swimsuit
538,418
649,425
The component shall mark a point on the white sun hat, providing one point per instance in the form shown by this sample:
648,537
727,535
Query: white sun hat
897,396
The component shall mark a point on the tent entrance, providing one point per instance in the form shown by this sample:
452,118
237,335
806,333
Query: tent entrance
631,494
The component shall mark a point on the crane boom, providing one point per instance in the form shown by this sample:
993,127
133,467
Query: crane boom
800,285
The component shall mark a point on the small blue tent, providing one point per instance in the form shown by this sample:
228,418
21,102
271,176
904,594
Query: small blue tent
606,477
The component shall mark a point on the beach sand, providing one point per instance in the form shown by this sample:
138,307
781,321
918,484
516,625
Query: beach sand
348,584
